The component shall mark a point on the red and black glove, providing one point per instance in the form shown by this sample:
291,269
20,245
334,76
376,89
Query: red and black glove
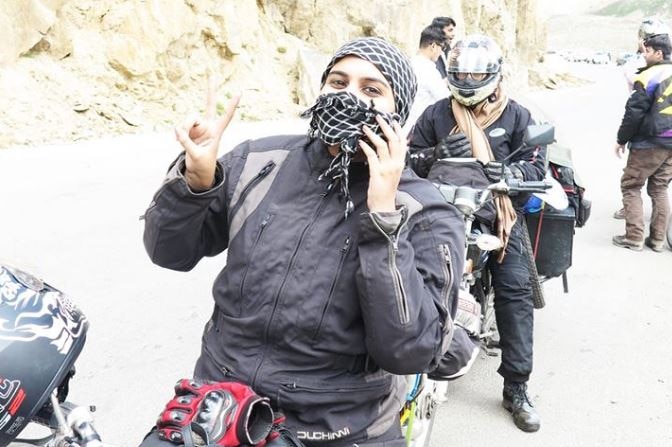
226,414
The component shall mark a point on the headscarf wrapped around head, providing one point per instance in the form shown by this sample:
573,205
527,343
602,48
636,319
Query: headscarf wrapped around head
391,62
337,118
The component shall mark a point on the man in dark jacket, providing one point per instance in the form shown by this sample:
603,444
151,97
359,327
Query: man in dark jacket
342,266
647,127
460,127
649,27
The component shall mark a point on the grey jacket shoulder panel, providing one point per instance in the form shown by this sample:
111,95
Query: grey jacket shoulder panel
261,161
256,178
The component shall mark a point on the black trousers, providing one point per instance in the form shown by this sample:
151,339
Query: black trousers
514,308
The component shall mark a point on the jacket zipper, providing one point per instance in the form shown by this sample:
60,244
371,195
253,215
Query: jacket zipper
262,227
323,201
293,386
402,301
225,370
344,252
399,292
252,183
444,253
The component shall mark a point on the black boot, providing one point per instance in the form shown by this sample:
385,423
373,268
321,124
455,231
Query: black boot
518,403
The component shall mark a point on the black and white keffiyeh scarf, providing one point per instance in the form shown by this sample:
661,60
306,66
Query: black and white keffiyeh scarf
337,118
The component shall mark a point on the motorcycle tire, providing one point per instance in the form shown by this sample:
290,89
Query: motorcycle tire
535,281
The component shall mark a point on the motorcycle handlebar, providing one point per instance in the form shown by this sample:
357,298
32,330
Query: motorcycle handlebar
516,186
73,425
80,421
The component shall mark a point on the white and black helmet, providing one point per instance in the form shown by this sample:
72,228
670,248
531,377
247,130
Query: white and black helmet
652,26
478,54
41,334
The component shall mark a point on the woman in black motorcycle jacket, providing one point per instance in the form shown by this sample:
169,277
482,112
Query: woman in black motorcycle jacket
477,106
342,265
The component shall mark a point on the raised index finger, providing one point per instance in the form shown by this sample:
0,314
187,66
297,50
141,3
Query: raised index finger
211,99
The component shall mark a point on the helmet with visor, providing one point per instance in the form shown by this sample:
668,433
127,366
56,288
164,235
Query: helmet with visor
474,69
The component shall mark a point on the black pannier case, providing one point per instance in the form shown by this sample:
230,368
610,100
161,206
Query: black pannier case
554,245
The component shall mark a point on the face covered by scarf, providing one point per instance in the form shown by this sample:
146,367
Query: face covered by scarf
337,118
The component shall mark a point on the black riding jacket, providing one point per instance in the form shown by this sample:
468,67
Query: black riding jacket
315,311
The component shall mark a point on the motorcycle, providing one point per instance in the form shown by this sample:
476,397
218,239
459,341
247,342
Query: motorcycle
39,324
476,291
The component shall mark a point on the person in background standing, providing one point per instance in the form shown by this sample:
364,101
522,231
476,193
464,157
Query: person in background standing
650,26
647,127
447,24
431,87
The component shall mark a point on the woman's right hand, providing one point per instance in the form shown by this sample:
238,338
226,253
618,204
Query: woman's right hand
200,139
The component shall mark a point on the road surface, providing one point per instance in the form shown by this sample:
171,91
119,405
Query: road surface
603,361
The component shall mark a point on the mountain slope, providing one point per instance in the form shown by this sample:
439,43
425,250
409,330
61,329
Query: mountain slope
621,8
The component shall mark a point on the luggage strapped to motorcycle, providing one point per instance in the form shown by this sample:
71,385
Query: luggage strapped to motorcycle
551,230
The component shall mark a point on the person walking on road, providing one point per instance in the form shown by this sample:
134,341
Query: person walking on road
647,128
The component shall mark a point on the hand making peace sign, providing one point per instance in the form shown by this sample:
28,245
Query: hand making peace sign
200,139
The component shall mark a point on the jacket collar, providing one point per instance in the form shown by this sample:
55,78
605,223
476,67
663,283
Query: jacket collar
318,155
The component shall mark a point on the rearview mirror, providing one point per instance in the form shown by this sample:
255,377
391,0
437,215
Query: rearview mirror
539,134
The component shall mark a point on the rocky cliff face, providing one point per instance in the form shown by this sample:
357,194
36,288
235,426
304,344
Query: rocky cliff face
80,68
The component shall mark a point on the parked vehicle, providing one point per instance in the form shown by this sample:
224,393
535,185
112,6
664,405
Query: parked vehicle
600,58
624,58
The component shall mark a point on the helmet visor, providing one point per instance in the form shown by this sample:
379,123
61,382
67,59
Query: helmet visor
475,54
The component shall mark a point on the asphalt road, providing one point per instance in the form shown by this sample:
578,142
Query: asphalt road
603,363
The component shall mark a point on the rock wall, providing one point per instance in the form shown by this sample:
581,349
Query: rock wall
81,68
